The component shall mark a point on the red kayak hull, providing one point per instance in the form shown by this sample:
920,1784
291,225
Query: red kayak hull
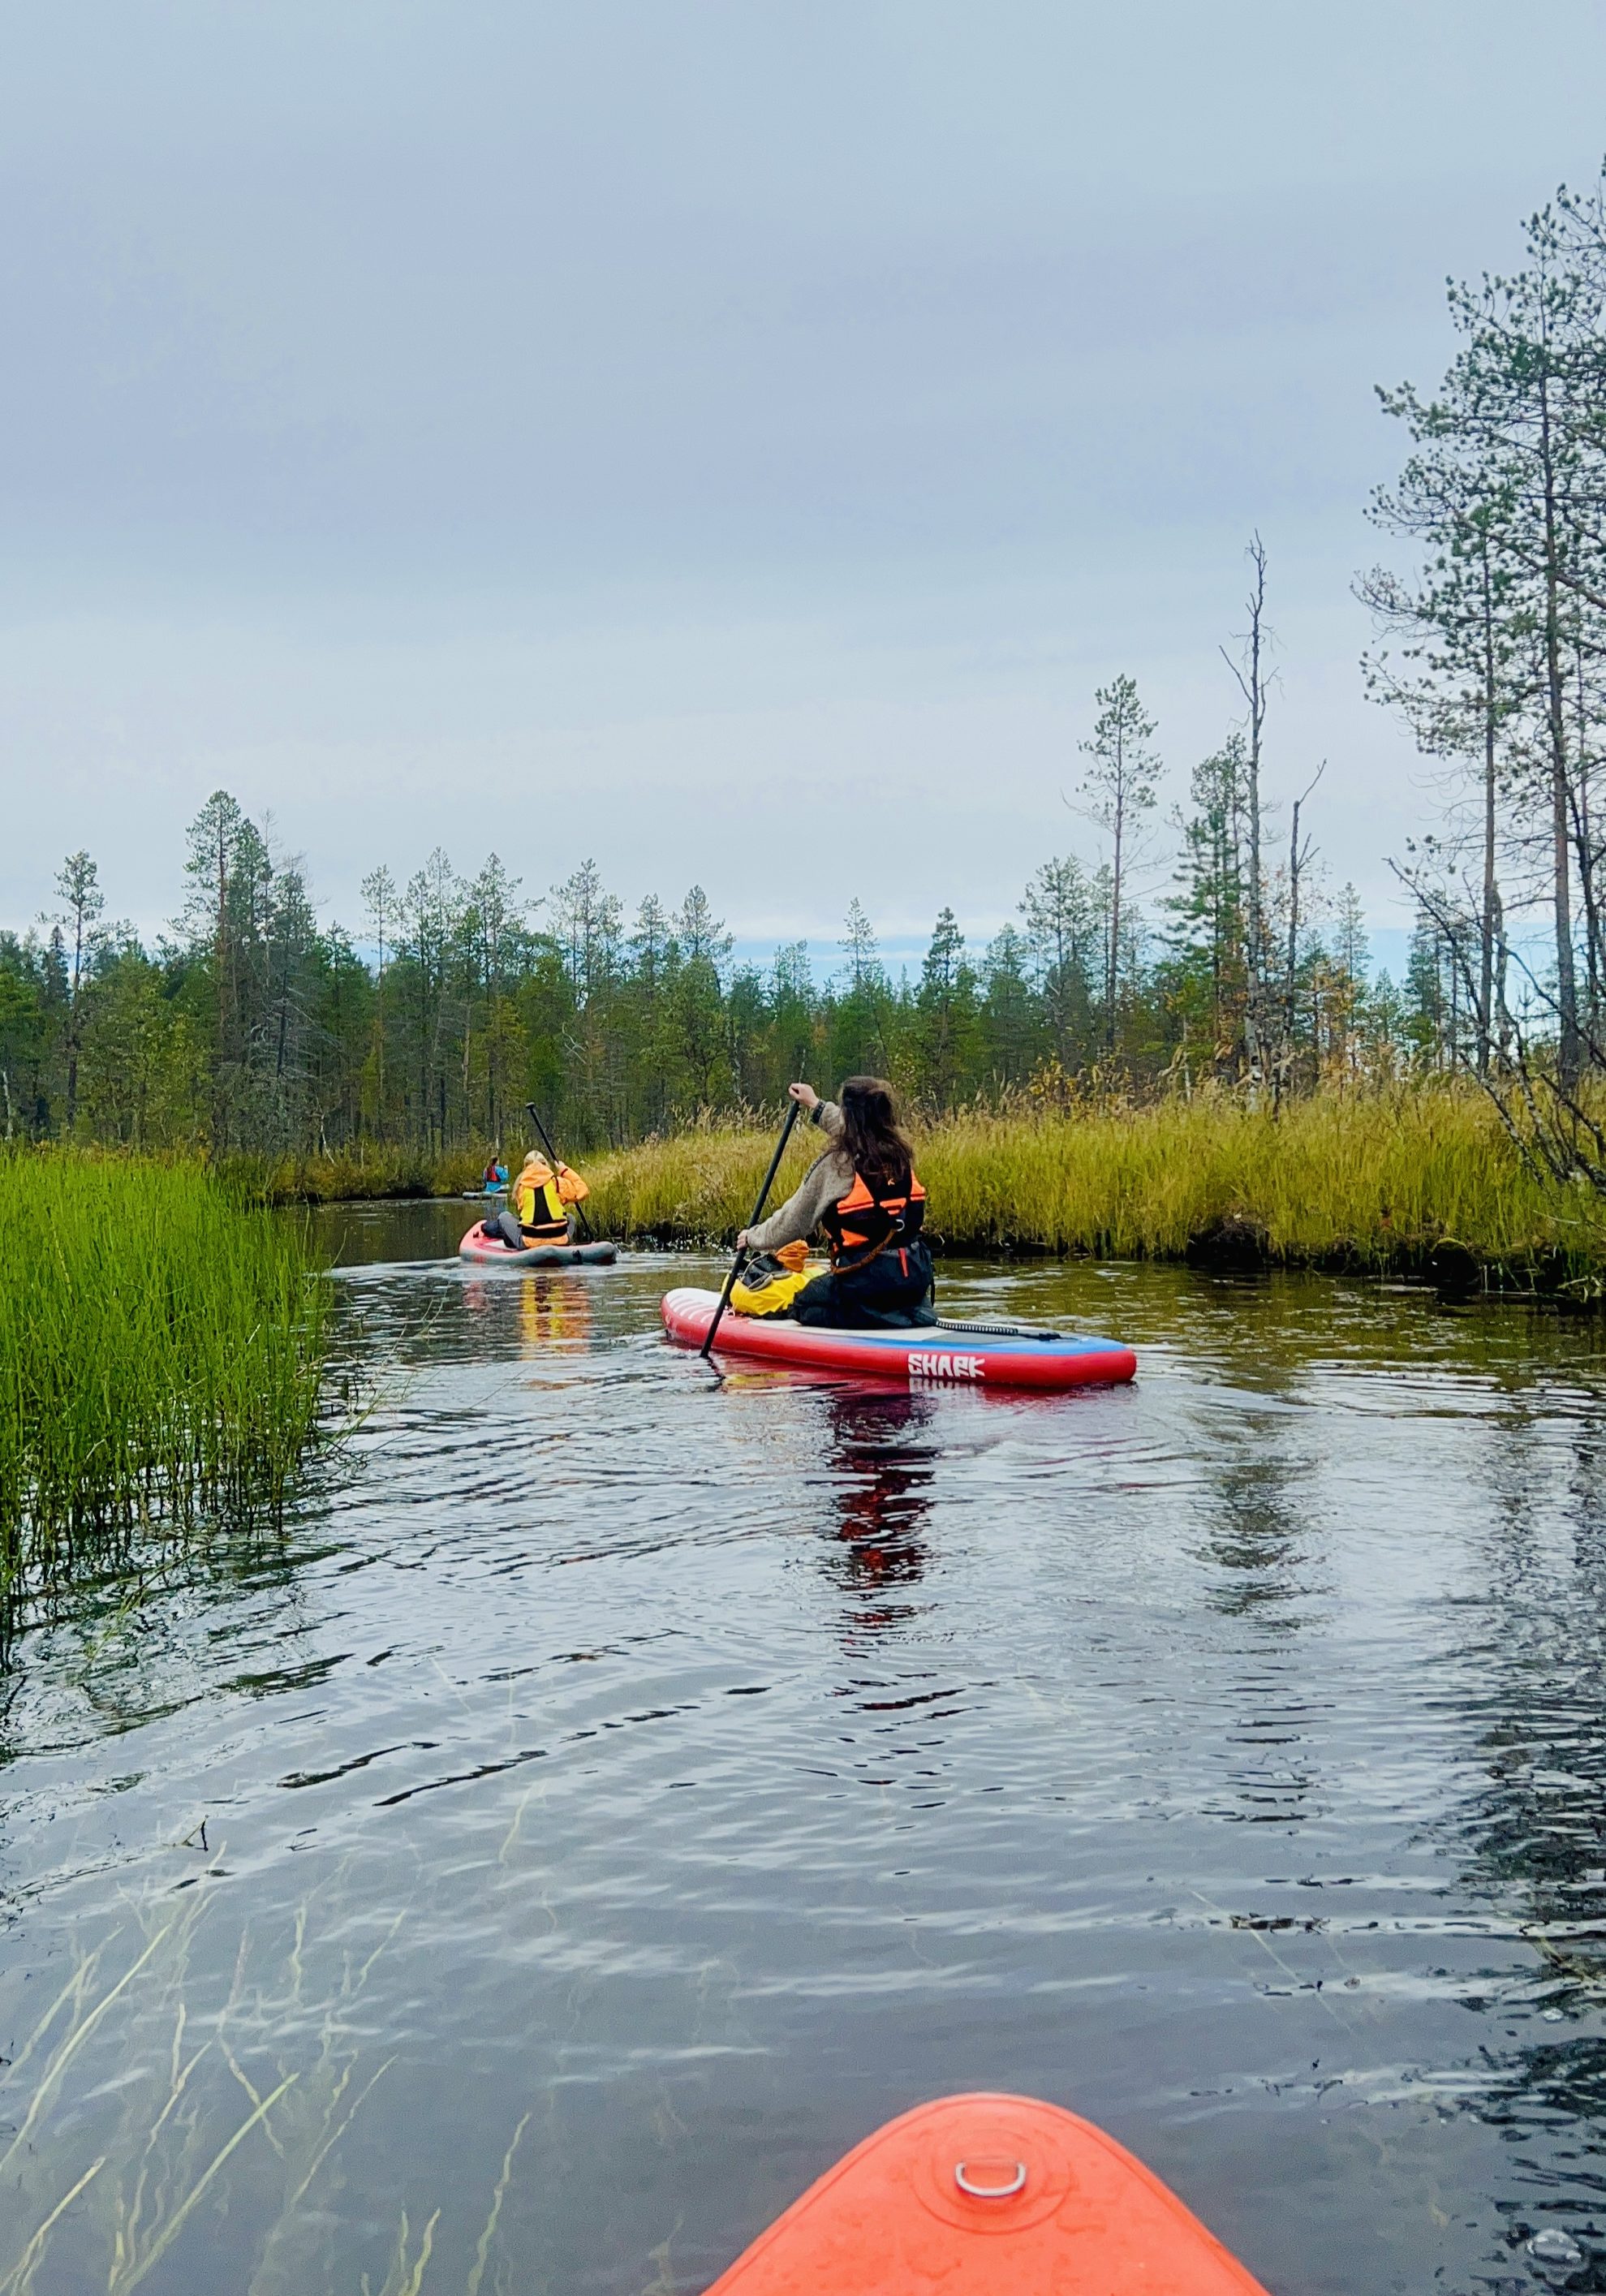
987,2196
915,1358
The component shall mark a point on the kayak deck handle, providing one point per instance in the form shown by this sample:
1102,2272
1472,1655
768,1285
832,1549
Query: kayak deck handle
966,2184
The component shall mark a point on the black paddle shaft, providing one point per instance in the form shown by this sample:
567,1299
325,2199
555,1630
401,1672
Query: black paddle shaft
769,1182
552,1158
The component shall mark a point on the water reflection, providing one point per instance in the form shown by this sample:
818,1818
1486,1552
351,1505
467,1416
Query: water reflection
1259,1518
554,1312
883,1462
688,1773
1532,1827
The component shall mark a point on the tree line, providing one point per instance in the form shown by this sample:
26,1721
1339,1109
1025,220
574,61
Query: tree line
458,997
1205,945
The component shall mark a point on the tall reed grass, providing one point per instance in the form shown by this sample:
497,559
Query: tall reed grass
160,1353
1374,1181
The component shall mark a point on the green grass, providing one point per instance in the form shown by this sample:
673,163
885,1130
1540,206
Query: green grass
160,1355
351,1175
1365,1181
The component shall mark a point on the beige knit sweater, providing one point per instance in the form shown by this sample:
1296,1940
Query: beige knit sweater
828,1178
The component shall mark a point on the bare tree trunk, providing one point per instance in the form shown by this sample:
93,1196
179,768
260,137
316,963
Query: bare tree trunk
1218,937
1115,936
379,1040
219,1127
1253,689
1298,857
1488,923
1569,1048
1286,1053
1584,844
72,1016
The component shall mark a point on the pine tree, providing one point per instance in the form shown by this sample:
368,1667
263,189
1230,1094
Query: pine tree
1120,786
1507,484
947,1005
701,1042
1209,969
860,1036
77,887
380,903
228,868
1063,936
1010,1026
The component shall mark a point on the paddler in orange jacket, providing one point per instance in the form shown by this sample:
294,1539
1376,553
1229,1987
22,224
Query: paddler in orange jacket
540,1205
866,1195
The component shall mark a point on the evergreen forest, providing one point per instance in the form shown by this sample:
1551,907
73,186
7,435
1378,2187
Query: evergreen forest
1172,949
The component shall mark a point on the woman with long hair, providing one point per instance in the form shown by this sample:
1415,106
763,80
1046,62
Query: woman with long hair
863,1192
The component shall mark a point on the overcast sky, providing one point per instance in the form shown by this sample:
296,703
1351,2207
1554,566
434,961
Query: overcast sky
731,440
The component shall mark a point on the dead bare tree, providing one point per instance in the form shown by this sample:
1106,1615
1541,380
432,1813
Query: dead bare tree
1301,852
1250,671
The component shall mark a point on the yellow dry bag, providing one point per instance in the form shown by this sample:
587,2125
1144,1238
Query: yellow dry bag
771,1281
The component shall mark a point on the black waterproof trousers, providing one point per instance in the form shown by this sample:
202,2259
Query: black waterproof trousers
519,1239
892,1292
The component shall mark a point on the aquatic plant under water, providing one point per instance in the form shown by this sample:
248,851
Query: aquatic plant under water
156,2095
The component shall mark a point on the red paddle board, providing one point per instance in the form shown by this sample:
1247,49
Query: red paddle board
490,1252
921,1357
987,2196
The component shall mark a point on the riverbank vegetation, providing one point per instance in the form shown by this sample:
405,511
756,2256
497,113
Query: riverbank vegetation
371,1173
160,1354
1411,1181
253,1033
1211,955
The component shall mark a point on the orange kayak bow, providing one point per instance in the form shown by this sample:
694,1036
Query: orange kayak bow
987,2196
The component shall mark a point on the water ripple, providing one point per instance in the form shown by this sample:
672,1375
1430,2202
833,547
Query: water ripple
706,1768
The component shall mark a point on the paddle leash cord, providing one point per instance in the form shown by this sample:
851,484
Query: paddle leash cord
999,1331
736,1264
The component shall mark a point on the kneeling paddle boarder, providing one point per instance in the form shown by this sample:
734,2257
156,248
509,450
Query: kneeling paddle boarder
863,1192
543,1205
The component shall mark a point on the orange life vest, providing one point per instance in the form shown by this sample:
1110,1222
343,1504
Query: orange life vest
866,1222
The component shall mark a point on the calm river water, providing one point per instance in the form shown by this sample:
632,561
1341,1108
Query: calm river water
619,1790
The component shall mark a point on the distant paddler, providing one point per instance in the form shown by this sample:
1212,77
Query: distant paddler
864,1194
542,1205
